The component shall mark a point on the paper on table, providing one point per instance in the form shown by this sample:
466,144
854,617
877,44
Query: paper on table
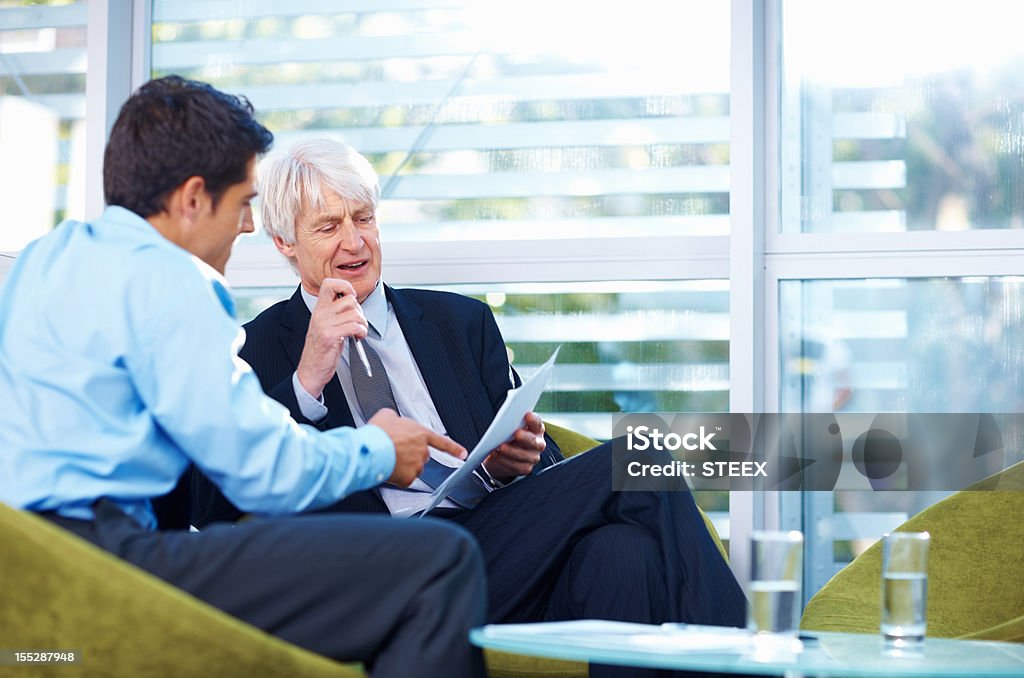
574,627
626,636
695,639
509,417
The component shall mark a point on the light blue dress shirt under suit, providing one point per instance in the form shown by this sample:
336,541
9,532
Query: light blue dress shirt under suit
119,365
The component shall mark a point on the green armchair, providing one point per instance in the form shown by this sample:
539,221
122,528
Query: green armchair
60,592
975,569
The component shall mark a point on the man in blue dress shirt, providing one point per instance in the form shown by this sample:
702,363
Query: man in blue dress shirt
119,368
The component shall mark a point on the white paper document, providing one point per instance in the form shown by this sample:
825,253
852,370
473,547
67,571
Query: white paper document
669,638
508,419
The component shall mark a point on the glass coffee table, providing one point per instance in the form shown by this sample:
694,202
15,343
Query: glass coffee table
708,648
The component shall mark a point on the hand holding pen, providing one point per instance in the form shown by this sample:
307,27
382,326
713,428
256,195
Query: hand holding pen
336,316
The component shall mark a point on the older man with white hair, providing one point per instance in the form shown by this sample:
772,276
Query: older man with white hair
558,543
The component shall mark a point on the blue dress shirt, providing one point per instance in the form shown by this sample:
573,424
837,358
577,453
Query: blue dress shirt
119,365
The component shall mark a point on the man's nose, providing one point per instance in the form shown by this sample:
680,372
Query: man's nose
349,236
245,221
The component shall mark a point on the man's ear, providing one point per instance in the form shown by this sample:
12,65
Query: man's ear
284,248
190,199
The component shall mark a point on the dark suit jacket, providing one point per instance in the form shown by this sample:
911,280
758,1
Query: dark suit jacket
455,342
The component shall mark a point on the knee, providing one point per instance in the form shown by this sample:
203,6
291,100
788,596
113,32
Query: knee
618,550
616,572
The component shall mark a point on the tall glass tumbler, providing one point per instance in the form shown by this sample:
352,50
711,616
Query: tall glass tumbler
775,579
904,587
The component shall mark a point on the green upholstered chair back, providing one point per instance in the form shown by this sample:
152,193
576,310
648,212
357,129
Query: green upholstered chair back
570,442
61,592
975,569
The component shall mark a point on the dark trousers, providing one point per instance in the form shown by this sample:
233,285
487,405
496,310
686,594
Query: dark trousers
398,596
562,545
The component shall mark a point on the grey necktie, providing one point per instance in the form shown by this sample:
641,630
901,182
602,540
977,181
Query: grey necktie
374,394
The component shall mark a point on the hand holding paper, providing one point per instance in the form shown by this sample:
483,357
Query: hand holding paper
519,454
508,419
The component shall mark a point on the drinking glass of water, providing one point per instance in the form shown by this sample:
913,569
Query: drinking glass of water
904,587
776,560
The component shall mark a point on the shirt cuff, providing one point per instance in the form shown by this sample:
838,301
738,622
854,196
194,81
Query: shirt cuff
312,408
494,482
382,460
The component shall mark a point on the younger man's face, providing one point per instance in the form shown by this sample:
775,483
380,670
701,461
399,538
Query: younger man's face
221,224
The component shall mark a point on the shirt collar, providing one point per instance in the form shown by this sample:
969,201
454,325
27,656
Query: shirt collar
375,307
140,228
123,215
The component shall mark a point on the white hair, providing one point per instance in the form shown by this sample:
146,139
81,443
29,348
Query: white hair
295,180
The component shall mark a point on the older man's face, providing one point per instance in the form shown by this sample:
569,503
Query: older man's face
340,241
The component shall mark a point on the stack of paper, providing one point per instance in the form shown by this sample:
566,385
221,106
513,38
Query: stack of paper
609,635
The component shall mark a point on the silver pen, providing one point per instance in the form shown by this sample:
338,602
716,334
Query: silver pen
362,353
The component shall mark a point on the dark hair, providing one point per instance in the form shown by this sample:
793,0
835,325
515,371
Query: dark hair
172,129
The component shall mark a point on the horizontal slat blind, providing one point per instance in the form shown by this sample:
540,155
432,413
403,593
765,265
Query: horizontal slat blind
477,134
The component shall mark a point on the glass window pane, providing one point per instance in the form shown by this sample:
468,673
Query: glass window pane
626,346
42,117
893,345
493,122
490,120
903,345
901,116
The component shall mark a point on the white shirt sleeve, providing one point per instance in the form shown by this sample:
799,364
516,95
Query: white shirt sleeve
311,408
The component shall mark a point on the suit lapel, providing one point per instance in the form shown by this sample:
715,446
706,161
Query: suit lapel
429,348
294,325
